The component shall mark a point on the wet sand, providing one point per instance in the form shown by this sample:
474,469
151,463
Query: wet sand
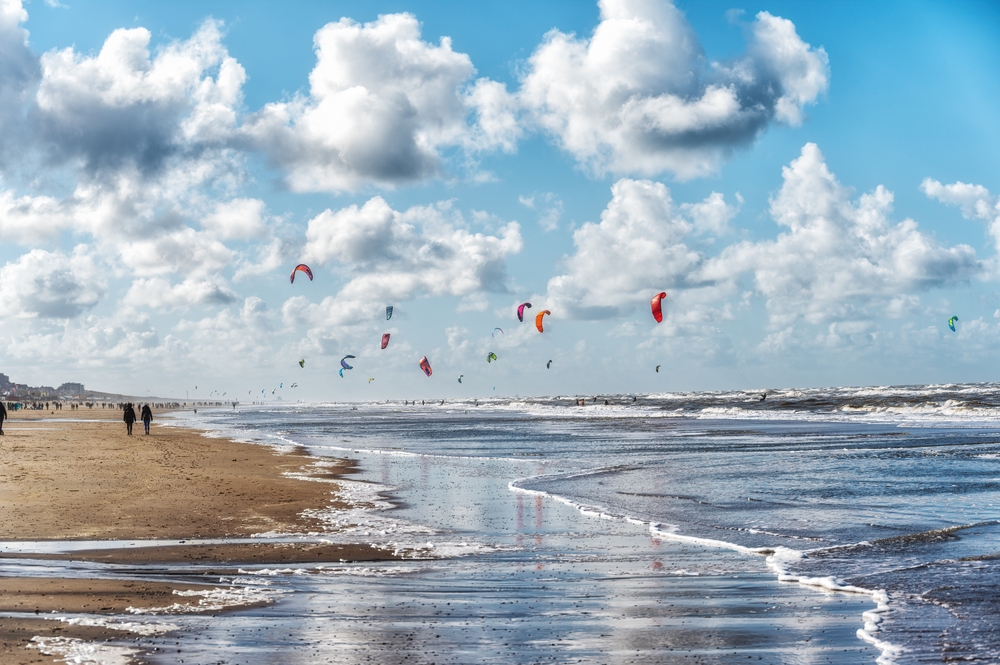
77,475
41,596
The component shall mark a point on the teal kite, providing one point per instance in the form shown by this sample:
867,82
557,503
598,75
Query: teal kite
951,323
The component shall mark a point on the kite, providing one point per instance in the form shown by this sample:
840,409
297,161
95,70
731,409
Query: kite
385,340
388,312
494,333
303,268
657,369
520,310
490,357
426,366
370,379
460,377
341,372
281,385
655,305
343,362
274,391
548,365
538,319
951,324
302,362
294,385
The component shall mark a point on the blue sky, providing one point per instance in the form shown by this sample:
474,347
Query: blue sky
813,185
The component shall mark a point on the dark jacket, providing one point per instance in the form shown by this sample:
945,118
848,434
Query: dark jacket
129,416
3,412
147,413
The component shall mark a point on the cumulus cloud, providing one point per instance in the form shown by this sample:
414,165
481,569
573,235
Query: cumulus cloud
19,72
128,106
159,294
548,206
637,248
402,254
51,285
975,201
183,251
239,218
27,219
712,216
839,260
382,105
386,255
639,97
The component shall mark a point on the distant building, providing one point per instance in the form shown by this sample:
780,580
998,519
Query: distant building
5,383
71,389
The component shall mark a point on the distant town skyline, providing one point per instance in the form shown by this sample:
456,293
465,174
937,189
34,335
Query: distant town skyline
813,185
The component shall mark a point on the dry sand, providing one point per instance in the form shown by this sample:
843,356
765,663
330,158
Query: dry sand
77,475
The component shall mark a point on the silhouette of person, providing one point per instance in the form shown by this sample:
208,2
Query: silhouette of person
129,417
3,416
147,416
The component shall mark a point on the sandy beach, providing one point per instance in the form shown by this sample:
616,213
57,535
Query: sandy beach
77,475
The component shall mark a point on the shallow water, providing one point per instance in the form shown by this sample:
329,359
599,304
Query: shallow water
841,526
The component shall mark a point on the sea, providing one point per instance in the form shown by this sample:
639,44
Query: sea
834,525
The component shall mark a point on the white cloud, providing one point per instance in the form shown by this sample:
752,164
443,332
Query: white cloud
159,294
637,97
126,106
975,202
19,71
184,251
245,334
51,285
390,254
27,219
839,263
712,216
838,260
636,250
382,104
238,218
385,256
549,207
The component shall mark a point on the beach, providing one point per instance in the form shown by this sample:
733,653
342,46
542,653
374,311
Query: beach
839,526
77,476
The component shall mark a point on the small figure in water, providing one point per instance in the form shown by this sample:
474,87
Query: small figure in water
763,397
606,403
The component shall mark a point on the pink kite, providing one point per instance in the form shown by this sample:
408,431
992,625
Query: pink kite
300,268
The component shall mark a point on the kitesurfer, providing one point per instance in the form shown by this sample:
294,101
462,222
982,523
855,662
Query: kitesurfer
147,417
763,396
129,417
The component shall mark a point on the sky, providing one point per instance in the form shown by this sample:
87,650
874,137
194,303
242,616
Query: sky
813,185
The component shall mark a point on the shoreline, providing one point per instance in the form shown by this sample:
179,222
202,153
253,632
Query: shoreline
77,476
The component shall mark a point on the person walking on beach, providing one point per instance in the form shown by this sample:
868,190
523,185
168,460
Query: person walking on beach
129,417
3,416
147,416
